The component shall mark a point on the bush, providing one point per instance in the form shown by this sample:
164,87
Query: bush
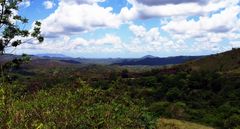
233,122
173,94
160,109
177,110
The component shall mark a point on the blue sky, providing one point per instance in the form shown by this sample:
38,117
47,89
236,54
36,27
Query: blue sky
133,28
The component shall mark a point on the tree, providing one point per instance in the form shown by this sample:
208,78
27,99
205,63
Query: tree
12,31
11,26
124,73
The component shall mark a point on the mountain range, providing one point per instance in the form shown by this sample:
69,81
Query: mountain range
145,60
153,61
225,60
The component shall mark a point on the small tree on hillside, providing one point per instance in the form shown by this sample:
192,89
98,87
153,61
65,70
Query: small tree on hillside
12,30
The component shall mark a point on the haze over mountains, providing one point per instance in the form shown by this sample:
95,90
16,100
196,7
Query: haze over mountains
52,55
145,60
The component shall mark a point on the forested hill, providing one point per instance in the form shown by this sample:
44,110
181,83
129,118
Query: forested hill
153,61
227,61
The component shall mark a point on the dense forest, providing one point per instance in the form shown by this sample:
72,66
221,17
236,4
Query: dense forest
204,91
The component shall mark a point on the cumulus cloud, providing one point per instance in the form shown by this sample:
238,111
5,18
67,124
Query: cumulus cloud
151,41
71,18
65,43
220,22
25,3
211,29
235,44
82,1
48,4
143,41
144,11
164,2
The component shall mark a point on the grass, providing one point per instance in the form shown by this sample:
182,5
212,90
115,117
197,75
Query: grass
163,123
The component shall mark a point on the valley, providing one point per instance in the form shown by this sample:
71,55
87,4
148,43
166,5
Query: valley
53,93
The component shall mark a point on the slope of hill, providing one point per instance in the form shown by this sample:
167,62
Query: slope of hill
37,61
226,61
177,124
7,57
152,61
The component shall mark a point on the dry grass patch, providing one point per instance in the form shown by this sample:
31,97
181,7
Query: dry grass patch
177,124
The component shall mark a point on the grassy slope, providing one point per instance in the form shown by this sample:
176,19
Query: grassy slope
226,61
177,124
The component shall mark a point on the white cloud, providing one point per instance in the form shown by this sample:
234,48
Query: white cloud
151,41
208,32
82,1
71,18
221,22
165,2
235,44
48,4
138,31
25,3
65,43
143,41
144,10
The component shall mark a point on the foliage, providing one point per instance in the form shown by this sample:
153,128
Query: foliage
232,122
73,107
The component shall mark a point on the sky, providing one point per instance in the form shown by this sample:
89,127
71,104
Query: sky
133,28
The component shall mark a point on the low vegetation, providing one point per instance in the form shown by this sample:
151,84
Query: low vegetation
177,124
68,106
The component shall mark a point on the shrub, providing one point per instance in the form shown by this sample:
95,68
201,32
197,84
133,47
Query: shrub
71,107
173,94
233,122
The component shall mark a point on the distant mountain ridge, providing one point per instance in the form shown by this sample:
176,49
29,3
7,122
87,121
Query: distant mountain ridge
149,56
145,60
52,55
154,61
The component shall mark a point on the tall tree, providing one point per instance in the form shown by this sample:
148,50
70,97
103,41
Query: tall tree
12,32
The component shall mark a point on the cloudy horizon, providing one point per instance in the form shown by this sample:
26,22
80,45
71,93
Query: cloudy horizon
134,28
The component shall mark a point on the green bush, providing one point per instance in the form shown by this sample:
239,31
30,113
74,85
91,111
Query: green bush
173,94
233,122
160,109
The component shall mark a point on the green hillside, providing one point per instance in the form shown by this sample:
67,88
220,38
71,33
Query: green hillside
222,62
